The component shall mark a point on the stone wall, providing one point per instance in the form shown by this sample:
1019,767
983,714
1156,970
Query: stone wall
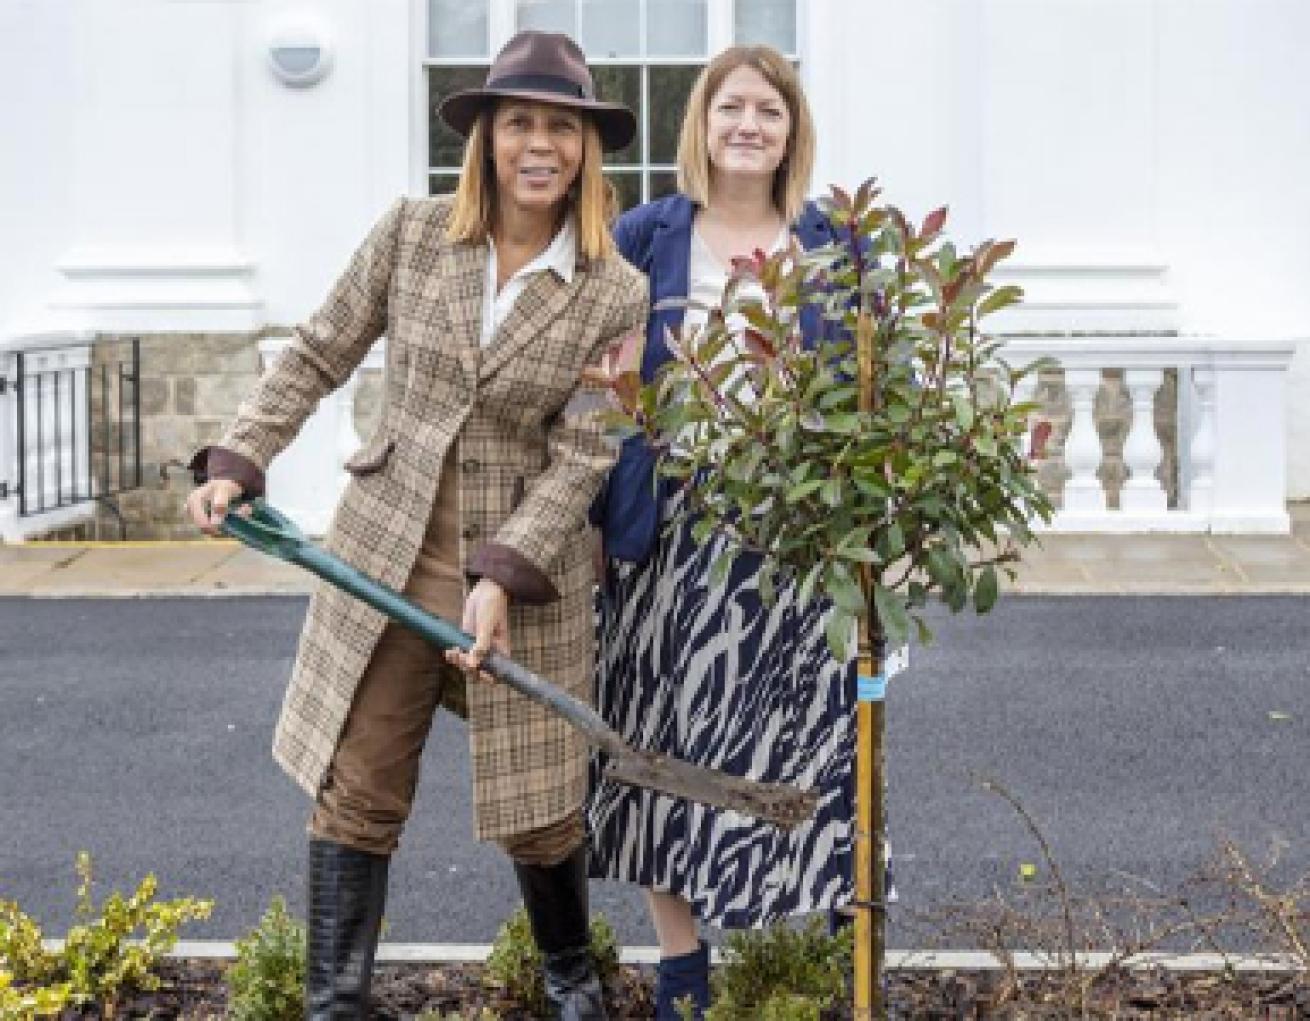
191,385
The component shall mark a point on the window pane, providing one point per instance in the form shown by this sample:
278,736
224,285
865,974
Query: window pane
628,185
445,148
766,21
548,16
663,182
676,28
611,28
457,28
669,88
442,184
618,84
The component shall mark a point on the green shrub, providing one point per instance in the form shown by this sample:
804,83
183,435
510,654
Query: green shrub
780,974
22,954
28,1003
108,951
267,982
514,965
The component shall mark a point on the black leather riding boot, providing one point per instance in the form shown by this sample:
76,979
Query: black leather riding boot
347,891
556,899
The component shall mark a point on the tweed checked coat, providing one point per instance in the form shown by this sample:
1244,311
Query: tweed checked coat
529,453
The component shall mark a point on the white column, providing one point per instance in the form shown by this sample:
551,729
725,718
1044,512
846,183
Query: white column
8,448
1250,451
1142,493
1083,494
1200,493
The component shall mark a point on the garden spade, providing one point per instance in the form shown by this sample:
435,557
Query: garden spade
271,532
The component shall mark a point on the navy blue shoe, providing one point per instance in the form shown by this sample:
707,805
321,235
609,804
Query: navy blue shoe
680,977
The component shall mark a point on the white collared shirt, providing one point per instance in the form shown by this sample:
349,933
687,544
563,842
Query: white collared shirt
559,257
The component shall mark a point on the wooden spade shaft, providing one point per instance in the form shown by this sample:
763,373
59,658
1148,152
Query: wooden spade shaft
271,532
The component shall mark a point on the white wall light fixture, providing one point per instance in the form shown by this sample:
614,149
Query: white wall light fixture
299,54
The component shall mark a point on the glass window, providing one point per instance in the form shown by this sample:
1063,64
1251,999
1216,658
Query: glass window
445,148
628,185
621,83
457,28
644,54
610,28
663,182
442,184
548,16
766,21
676,28
669,87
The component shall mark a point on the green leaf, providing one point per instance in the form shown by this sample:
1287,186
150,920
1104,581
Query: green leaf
806,590
800,491
963,411
838,630
1000,298
892,614
843,590
721,566
985,590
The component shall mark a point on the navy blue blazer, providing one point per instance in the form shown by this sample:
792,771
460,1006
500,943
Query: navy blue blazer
656,238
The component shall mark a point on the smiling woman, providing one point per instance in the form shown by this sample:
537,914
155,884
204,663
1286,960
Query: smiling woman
494,303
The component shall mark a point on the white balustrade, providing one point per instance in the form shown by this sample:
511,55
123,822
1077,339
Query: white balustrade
1143,493
1231,445
53,429
1083,494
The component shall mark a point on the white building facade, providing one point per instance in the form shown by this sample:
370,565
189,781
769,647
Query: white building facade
186,169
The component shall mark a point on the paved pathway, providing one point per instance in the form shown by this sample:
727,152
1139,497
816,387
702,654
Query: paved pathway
1063,565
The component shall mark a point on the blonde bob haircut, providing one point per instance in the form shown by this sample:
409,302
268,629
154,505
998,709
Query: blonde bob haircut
791,181
474,206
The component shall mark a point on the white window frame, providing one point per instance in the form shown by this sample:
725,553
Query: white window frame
501,26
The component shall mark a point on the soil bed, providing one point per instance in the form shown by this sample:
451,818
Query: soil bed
195,990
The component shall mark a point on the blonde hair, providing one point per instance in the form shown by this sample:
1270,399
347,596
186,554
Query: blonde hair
473,209
791,181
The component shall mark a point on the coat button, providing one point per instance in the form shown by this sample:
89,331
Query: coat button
471,531
471,465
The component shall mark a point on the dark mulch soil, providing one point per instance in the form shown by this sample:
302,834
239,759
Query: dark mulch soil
195,990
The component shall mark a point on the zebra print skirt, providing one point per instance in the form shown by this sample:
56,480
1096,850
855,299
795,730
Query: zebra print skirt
709,674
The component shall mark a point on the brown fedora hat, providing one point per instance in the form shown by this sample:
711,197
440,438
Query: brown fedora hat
547,67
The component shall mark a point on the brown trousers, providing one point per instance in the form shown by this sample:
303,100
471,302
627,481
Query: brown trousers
370,784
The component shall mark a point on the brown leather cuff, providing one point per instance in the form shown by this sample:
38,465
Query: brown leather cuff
513,572
221,463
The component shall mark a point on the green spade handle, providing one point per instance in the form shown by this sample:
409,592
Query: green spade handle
268,530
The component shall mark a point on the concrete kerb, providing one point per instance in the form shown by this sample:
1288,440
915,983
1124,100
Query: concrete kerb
899,960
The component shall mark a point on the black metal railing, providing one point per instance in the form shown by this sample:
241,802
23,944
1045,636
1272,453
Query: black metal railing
77,427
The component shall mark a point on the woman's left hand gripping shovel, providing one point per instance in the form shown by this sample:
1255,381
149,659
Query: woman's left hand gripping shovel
271,532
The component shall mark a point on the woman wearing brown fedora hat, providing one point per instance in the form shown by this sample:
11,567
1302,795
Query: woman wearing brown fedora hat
471,497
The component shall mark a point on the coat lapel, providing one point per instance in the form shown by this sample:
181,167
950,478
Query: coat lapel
463,276
542,301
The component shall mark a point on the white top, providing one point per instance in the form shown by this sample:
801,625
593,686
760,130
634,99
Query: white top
707,276
559,257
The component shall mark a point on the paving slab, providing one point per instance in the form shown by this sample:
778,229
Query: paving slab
249,571
133,569
1265,559
21,566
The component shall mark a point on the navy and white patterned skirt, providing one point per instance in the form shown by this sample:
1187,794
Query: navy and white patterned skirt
709,674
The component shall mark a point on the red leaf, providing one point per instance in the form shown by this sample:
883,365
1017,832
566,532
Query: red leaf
933,222
758,344
1041,433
